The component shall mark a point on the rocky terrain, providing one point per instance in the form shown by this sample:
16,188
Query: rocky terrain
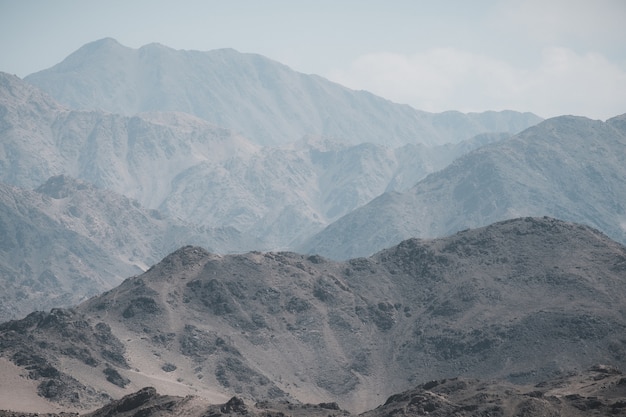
567,167
264,100
599,391
526,300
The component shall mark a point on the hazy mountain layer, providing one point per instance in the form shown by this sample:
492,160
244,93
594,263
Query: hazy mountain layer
263,99
134,156
567,167
191,170
522,300
285,195
68,241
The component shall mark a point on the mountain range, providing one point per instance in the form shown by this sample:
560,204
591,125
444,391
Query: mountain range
523,300
152,201
211,187
207,175
266,101
572,168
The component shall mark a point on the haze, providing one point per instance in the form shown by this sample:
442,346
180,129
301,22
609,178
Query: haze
561,57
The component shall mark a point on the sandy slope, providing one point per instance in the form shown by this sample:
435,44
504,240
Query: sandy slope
17,392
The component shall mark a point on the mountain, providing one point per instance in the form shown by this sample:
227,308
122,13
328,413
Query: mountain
524,300
264,100
68,240
286,194
567,167
40,138
189,169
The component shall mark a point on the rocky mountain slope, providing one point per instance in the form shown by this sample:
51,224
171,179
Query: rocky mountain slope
523,300
567,167
204,175
68,240
263,99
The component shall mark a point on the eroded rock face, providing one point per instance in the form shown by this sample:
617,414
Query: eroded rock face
69,240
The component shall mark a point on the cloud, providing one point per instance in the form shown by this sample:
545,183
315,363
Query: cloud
562,82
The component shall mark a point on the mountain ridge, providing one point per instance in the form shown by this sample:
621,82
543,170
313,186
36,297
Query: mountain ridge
523,300
69,240
189,169
264,100
566,167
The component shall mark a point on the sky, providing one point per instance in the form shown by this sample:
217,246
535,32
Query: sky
549,57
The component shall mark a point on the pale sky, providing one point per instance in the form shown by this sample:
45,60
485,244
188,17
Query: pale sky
550,57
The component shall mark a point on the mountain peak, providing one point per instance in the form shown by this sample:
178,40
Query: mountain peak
104,42
155,48
95,53
184,256
154,45
104,45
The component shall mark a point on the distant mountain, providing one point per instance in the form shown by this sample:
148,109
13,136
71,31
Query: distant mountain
135,156
567,167
264,100
69,240
285,195
191,170
523,300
